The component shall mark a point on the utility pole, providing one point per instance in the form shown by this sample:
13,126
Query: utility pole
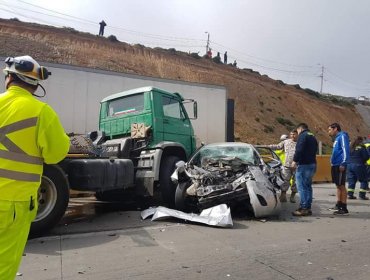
322,78
207,46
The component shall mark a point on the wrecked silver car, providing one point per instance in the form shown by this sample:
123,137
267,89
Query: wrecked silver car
229,173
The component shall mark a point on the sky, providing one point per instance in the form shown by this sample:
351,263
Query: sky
319,44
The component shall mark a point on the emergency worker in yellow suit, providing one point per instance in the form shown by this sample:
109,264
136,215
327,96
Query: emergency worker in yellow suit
30,135
280,152
367,145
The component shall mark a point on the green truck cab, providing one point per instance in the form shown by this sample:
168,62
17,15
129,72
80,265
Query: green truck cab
162,113
142,134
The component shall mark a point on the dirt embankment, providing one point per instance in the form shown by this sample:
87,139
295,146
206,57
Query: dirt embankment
264,108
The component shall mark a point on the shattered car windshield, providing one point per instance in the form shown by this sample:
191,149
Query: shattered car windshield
244,153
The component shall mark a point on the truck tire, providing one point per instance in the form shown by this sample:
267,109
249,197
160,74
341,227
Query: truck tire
181,201
53,197
167,187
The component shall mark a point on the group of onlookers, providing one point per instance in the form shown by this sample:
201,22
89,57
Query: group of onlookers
349,162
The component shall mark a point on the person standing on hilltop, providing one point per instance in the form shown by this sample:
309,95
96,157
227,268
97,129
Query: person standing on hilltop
209,53
225,57
102,26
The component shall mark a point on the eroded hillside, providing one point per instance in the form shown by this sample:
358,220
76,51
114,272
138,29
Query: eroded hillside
264,108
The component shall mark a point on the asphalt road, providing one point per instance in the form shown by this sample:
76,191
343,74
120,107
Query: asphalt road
105,241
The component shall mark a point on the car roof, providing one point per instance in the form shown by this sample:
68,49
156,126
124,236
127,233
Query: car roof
228,144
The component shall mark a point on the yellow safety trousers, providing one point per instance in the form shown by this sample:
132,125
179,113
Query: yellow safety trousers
15,221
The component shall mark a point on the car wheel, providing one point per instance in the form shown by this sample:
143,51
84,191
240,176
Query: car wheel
181,198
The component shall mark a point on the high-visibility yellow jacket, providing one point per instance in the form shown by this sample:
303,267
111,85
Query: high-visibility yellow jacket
281,155
30,134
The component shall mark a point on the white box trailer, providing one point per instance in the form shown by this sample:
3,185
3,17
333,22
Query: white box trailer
75,94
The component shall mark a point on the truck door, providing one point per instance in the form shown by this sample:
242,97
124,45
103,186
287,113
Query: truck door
176,124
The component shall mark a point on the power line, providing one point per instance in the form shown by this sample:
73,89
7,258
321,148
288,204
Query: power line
166,38
27,16
80,20
344,81
263,59
182,42
116,27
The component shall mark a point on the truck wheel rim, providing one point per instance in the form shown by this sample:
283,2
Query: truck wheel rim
47,198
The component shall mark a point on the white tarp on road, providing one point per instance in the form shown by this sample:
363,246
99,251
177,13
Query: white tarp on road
218,216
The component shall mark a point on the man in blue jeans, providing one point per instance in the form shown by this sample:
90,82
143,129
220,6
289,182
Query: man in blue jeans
304,161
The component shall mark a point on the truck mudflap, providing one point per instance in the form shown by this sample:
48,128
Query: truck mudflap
100,174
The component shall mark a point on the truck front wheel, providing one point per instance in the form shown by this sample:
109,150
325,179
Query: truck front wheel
182,201
53,197
167,187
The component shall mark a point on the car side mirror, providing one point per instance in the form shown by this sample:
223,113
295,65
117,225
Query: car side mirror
275,164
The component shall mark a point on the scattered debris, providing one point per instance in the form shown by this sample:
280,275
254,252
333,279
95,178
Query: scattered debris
344,240
219,216
19,274
309,263
309,240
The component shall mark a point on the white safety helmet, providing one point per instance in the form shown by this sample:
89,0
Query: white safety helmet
284,137
27,69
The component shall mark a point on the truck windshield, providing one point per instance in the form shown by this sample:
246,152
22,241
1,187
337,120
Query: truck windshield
126,105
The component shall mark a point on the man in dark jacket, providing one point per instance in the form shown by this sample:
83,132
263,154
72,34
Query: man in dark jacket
339,160
305,161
